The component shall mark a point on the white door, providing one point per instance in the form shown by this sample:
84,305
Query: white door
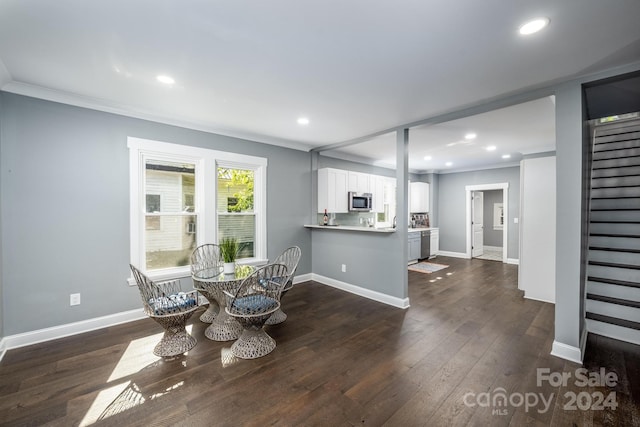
477,242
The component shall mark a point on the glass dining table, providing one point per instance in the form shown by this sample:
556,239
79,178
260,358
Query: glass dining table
215,283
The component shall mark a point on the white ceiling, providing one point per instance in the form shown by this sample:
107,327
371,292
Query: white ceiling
354,68
522,129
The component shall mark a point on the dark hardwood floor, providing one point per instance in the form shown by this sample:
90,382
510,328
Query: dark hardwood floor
468,339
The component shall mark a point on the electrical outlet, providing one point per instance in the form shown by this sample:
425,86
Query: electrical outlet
344,268
74,299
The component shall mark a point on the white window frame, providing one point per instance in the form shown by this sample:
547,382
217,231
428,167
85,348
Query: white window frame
205,210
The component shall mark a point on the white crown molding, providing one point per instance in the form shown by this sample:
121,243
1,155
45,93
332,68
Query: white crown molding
106,106
363,292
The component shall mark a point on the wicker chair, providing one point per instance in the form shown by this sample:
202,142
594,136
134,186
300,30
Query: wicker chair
290,257
166,304
254,302
207,262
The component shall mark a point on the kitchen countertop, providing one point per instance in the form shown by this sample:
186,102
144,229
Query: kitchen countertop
366,229
351,228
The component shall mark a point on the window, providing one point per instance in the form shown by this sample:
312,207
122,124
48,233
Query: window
182,197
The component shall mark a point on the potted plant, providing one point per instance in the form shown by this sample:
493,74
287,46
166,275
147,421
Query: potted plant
229,248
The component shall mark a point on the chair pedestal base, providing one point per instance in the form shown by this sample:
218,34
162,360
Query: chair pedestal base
277,317
175,341
223,328
253,343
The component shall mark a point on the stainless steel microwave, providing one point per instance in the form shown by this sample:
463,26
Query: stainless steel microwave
360,202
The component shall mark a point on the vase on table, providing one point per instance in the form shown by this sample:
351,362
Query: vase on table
229,268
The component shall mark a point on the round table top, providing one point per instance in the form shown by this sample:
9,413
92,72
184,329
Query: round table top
217,276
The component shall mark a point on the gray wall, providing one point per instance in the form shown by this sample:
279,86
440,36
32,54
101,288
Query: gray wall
491,237
65,207
1,241
373,260
569,265
452,206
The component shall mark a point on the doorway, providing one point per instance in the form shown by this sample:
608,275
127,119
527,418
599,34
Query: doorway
476,220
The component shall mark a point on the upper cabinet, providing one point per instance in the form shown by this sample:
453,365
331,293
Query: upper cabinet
419,197
334,185
332,190
360,182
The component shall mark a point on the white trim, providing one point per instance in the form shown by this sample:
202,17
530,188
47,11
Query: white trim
538,299
514,261
97,104
363,292
302,278
61,331
504,186
453,254
493,248
567,352
3,348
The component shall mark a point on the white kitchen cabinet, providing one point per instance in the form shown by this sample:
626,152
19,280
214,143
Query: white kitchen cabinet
435,242
419,197
414,246
332,190
378,193
359,182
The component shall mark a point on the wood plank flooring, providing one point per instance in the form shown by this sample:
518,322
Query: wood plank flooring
340,360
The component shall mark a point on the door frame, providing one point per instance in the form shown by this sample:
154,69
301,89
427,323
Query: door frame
504,186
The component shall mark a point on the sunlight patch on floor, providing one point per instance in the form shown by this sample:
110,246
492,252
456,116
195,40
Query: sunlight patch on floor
107,398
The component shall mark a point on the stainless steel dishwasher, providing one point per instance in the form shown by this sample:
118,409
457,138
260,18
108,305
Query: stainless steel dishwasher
425,244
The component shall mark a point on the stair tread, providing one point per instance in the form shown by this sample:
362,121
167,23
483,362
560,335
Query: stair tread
613,281
614,222
632,236
608,249
613,300
615,265
613,320
614,209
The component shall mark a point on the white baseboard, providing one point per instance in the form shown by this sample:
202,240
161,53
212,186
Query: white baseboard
61,331
363,292
3,348
567,352
538,299
453,254
302,278
514,261
493,248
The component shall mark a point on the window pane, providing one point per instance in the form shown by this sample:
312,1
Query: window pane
235,190
171,244
235,200
242,227
169,186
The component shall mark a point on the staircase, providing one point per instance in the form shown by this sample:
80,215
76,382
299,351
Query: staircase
613,272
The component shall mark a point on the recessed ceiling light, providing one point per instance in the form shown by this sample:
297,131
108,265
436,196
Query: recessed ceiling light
533,26
427,157
506,156
448,164
303,121
491,148
470,135
168,80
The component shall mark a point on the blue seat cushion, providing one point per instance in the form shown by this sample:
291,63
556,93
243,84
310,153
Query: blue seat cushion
175,303
253,304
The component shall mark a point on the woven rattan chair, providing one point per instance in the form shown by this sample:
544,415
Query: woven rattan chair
166,304
290,257
207,262
254,302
